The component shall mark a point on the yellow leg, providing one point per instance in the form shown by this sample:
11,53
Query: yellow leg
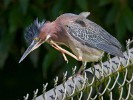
56,46
64,56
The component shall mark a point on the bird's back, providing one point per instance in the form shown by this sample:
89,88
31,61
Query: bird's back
89,33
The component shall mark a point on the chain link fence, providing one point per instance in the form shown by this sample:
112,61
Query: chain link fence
112,80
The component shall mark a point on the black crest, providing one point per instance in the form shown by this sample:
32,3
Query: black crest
33,30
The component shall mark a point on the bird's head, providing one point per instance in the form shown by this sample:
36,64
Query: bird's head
35,35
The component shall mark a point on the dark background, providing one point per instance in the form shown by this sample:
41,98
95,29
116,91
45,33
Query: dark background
45,63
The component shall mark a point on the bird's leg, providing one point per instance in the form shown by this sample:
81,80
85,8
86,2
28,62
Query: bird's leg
83,66
56,46
64,56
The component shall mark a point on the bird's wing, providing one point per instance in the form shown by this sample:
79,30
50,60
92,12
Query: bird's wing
84,14
94,36
105,34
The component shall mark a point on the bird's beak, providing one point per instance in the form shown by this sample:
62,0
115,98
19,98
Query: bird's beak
35,44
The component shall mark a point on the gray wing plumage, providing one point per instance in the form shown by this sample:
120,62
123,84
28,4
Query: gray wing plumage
94,36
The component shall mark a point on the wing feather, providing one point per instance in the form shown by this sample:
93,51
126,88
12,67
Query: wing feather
95,36
106,35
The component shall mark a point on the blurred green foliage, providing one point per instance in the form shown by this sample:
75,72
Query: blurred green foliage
42,65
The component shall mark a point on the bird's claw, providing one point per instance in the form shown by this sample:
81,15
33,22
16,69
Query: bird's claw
63,51
65,58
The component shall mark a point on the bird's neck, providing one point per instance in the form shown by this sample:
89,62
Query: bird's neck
58,33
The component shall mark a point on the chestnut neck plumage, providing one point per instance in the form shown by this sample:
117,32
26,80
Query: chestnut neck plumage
56,32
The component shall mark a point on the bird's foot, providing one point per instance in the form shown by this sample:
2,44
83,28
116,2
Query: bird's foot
63,51
64,56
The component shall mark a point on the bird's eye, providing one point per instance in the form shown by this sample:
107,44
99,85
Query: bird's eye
67,26
36,39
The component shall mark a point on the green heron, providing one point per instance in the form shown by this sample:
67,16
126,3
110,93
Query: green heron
87,40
